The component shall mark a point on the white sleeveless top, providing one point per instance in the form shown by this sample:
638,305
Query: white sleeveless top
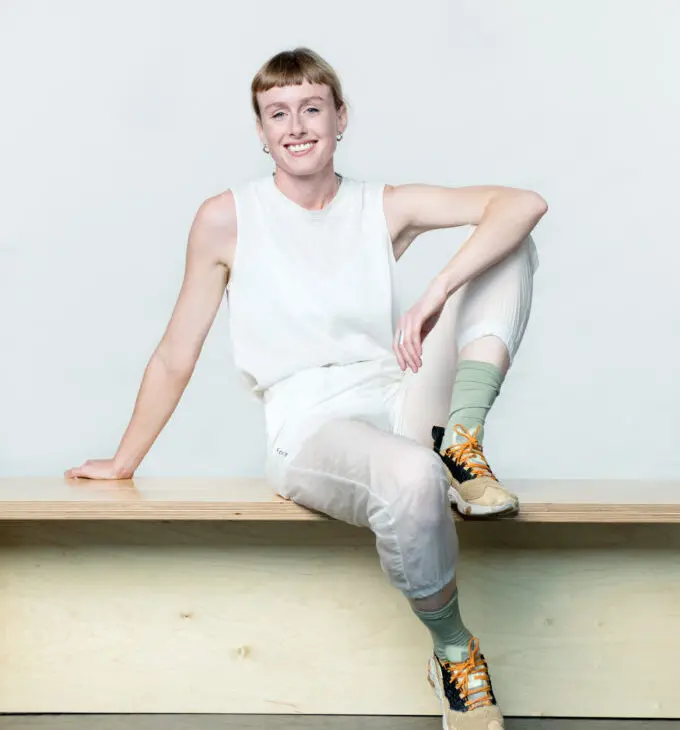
310,288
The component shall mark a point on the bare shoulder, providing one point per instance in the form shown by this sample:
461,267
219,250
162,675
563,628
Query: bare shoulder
215,227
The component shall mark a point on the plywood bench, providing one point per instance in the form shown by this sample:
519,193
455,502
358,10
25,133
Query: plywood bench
188,498
216,595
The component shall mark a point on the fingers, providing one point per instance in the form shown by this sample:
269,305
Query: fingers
79,472
411,347
96,469
407,347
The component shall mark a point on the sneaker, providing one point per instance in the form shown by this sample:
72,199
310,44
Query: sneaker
474,490
465,692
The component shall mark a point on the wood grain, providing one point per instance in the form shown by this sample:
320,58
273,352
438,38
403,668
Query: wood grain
242,498
298,618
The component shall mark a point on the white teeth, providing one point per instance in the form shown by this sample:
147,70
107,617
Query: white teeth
299,147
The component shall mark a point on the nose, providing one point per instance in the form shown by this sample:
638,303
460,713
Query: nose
298,127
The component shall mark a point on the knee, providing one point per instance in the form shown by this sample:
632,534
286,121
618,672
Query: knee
423,488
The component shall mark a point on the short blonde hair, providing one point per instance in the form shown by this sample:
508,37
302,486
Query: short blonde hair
293,68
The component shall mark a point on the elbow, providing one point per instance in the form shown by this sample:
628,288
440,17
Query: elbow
536,204
527,206
526,203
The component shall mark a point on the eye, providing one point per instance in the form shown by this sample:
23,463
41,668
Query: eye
275,116
312,109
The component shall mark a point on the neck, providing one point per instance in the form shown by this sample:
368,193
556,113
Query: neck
312,192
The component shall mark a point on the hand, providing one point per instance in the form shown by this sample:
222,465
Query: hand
99,469
417,323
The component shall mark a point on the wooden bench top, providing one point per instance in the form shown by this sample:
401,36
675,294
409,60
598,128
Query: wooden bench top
244,498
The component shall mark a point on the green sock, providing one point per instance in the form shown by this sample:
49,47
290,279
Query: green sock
474,391
449,633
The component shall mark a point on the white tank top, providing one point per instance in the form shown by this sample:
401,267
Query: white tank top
310,288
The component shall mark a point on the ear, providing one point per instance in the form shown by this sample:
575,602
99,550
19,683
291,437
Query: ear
342,119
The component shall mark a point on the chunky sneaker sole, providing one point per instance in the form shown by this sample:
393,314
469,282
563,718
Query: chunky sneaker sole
473,495
465,509
470,509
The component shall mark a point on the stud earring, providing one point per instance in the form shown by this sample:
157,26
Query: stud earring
339,137
265,149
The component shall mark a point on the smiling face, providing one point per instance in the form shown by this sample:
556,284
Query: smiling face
300,124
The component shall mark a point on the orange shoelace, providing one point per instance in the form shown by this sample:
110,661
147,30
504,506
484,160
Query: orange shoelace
469,453
460,677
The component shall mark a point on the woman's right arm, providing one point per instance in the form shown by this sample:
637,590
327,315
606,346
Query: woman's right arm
208,257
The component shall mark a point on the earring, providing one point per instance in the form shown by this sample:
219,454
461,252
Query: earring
339,137
265,149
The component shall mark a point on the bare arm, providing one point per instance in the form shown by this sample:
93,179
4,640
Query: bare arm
504,218
174,359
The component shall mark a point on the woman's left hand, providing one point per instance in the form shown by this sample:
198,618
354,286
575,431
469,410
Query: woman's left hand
416,324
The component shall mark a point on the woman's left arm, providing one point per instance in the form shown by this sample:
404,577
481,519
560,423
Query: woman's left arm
504,218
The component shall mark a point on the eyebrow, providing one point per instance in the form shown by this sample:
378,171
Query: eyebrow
302,101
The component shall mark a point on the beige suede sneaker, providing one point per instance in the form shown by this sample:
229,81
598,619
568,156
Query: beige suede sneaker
465,692
474,490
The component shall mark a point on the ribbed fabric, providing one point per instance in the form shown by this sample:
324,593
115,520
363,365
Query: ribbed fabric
449,633
475,389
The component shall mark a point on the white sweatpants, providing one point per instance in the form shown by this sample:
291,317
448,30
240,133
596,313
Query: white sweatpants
356,443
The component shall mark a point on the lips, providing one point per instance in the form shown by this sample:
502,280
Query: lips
295,144
297,154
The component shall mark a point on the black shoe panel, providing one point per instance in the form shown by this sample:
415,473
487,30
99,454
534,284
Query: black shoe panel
459,472
456,702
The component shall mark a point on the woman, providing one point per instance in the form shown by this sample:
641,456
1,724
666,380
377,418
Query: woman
353,393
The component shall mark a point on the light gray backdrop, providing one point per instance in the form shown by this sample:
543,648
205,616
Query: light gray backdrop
119,118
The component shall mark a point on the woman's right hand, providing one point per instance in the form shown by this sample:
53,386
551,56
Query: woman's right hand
99,469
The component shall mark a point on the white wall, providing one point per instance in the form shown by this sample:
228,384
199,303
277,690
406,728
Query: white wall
118,119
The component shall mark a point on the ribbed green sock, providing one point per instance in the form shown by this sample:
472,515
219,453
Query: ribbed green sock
449,633
475,389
